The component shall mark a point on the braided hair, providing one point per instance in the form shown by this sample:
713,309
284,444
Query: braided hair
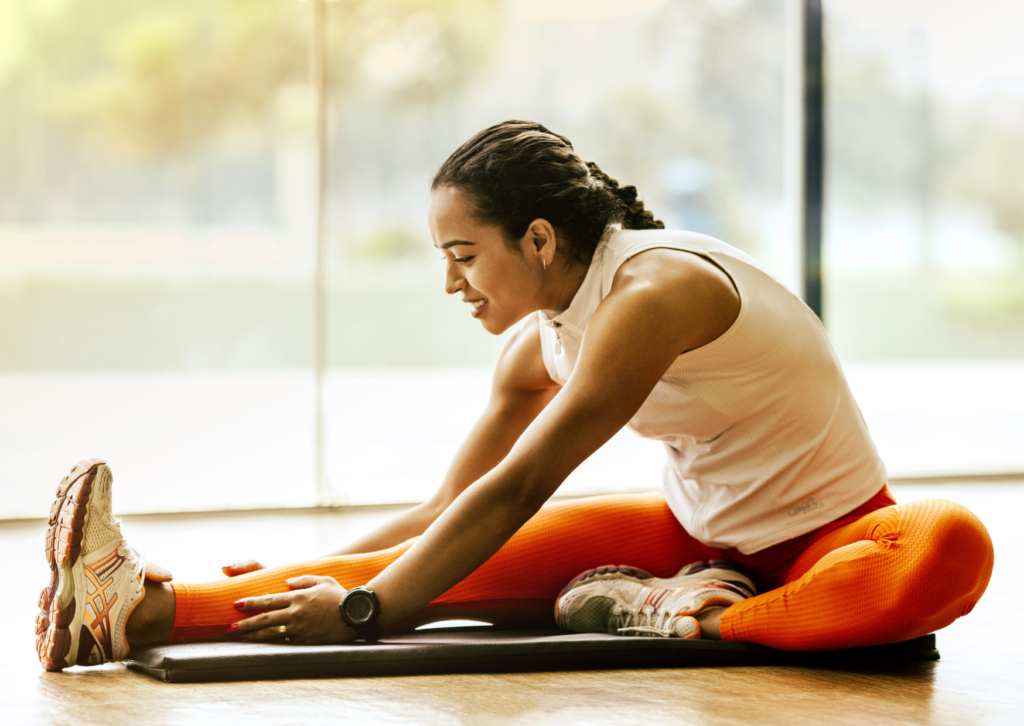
519,171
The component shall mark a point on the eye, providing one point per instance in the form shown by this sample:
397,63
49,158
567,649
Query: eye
462,260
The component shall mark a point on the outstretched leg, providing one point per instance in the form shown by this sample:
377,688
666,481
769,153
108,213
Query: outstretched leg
519,584
894,574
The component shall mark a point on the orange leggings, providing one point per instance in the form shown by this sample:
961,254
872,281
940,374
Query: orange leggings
885,572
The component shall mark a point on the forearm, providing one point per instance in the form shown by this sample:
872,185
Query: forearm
410,523
487,514
484,448
463,538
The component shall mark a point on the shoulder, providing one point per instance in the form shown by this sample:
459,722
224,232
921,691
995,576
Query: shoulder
667,268
520,365
687,291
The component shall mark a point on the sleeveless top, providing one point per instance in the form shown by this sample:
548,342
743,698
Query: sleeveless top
764,439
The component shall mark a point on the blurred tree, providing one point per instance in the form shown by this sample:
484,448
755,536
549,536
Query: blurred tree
392,244
169,76
984,165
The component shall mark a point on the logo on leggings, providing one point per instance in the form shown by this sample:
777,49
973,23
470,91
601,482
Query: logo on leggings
807,505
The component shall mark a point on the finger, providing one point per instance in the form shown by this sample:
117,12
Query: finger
270,622
264,602
241,568
306,581
272,634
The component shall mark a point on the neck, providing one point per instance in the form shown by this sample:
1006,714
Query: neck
562,287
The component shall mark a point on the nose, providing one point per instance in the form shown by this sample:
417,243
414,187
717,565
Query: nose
453,281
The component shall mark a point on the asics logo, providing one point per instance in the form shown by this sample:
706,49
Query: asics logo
100,576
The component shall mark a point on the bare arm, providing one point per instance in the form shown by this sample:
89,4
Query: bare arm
660,305
662,302
520,391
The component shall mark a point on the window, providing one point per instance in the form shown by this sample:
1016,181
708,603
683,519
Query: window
924,230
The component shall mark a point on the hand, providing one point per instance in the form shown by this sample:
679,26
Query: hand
309,612
241,568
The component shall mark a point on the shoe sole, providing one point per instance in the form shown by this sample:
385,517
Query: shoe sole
606,572
65,527
646,579
720,572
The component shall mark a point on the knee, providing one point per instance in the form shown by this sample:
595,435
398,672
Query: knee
950,554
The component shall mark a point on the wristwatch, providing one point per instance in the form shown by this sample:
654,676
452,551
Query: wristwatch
360,610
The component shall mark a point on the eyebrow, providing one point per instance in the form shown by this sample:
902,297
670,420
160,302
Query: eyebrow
448,245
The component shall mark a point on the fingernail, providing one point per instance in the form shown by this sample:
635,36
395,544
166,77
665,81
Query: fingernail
233,627
239,604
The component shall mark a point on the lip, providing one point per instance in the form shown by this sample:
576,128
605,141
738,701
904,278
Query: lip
476,312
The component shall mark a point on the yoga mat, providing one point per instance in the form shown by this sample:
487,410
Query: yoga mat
489,650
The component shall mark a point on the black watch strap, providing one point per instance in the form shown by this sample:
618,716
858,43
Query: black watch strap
360,610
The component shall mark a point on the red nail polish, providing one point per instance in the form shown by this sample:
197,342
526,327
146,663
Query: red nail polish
233,627
239,604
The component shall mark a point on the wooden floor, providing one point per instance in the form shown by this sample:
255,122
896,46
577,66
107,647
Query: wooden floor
980,679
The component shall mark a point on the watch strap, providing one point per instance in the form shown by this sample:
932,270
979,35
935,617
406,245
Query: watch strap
369,630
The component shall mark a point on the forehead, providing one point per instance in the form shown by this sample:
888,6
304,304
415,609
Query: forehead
448,205
451,217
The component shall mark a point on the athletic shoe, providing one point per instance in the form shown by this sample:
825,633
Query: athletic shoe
96,579
621,600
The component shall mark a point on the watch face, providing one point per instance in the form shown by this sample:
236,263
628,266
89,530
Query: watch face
358,608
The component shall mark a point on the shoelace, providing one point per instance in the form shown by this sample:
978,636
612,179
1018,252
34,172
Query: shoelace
657,623
135,561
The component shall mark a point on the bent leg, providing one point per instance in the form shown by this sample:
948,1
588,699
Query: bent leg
518,584
895,574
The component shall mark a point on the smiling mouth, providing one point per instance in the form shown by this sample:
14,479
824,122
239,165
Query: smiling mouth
478,306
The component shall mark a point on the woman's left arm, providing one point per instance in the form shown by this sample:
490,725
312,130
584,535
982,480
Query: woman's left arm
658,307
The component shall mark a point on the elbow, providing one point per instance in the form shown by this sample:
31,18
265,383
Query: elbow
429,511
527,496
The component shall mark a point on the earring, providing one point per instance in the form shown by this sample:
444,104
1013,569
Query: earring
545,263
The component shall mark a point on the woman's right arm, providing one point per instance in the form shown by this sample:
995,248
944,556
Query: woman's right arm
520,391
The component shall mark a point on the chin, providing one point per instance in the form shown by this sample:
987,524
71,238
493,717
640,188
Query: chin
498,327
492,328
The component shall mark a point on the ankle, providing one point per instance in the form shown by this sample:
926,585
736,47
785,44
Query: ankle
709,620
152,621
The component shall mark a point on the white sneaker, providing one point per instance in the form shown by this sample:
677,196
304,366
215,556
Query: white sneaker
96,579
621,600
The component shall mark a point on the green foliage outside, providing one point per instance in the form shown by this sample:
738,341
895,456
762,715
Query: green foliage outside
147,87
392,244
153,78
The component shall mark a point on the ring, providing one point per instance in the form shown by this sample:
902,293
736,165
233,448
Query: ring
282,629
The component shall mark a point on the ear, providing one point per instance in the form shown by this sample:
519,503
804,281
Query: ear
541,240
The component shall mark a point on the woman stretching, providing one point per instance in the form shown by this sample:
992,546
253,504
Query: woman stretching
771,480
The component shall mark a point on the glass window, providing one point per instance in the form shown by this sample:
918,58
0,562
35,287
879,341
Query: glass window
155,251
683,99
924,238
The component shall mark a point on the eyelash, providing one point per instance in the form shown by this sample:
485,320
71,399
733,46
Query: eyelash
460,260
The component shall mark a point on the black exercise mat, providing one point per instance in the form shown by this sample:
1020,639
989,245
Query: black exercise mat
489,650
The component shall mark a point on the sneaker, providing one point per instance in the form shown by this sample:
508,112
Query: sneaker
621,600
96,579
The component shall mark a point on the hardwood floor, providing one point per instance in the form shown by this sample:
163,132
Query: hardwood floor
978,680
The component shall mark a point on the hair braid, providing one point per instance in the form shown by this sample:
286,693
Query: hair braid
634,215
519,171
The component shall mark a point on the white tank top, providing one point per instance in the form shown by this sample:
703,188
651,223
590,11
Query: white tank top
764,439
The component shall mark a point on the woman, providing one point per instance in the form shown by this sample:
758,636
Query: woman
771,473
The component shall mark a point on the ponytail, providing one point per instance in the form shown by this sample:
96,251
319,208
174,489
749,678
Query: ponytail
634,215
519,171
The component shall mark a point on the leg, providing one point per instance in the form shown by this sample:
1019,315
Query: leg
518,584
152,621
894,574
